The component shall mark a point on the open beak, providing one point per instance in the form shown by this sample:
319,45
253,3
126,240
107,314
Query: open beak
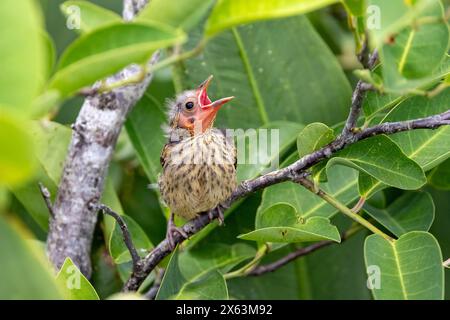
209,108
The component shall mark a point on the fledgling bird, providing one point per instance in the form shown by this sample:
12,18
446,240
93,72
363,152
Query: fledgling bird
199,161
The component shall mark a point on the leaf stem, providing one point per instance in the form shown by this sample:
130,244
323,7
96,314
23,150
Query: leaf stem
246,269
342,208
145,70
251,78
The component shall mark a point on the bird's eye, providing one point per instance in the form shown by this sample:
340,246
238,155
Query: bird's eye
189,105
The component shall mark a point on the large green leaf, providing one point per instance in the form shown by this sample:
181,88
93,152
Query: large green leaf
334,272
356,7
413,211
342,185
108,49
439,178
51,142
75,283
277,70
17,160
428,148
382,159
117,248
416,51
440,228
184,14
259,150
409,268
230,13
25,272
23,54
313,137
91,16
376,102
194,274
144,126
282,223
393,16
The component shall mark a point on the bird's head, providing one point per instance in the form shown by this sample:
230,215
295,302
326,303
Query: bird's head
193,111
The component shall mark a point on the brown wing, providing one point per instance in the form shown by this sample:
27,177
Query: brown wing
165,154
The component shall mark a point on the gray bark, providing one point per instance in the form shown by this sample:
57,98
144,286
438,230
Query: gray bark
94,138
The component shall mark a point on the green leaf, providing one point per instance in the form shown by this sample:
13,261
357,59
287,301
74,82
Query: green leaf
21,67
91,16
50,141
26,273
393,16
410,267
313,137
76,284
50,56
439,178
356,7
413,211
195,275
428,148
416,51
230,13
117,247
281,223
279,137
108,49
17,160
261,66
376,102
183,14
342,185
144,126
382,159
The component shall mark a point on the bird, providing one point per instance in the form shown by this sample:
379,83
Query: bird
198,161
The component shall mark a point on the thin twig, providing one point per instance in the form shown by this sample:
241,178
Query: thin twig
47,198
359,205
309,185
432,122
301,252
262,269
126,235
357,100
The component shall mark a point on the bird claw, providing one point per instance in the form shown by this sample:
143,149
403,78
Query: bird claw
220,218
171,229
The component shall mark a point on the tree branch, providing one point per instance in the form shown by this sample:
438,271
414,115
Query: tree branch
301,252
357,98
47,198
309,185
153,291
271,267
94,137
431,122
126,235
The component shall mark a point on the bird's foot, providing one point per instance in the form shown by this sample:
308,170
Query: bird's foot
221,218
171,230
